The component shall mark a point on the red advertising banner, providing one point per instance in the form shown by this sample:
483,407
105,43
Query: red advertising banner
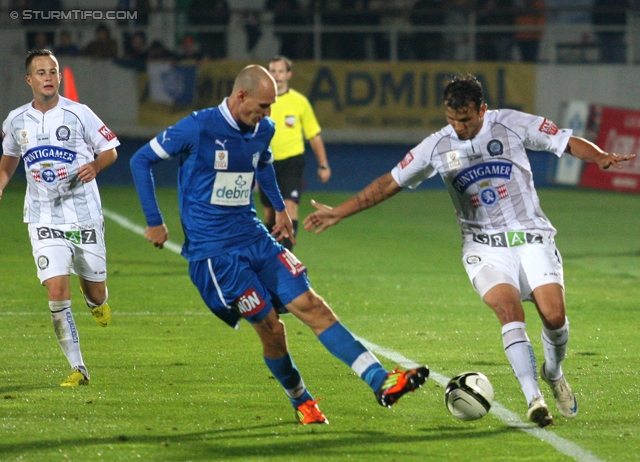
619,132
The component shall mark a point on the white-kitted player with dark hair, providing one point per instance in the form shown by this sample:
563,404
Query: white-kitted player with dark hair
508,245
64,146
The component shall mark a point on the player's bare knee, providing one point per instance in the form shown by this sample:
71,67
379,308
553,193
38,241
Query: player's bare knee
272,335
277,329
507,310
313,304
57,289
96,300
271,326
552,313
554,320
57,294
312,310
95,293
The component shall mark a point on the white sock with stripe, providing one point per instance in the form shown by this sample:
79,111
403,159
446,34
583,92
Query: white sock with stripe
519,351
555,350
66,332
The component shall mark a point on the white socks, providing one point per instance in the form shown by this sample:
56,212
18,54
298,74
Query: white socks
519,351
555,349
67,334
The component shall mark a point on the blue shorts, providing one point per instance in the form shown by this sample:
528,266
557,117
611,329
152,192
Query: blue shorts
249,282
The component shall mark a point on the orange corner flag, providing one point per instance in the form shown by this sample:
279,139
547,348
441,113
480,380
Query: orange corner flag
69,84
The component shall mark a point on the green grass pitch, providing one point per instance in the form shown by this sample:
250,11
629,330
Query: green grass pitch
170,382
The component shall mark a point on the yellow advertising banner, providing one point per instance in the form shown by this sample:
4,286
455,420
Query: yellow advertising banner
366,95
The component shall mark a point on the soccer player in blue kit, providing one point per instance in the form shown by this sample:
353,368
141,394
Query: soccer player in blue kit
240,269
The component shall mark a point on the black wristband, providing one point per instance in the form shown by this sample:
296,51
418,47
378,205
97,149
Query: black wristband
323,167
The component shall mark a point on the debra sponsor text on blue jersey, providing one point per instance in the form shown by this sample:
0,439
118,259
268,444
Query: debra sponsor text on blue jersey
471,175
42,153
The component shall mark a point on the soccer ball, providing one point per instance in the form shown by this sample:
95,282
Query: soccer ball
469,396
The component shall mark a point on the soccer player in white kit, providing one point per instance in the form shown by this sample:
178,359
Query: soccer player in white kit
64,146
508,243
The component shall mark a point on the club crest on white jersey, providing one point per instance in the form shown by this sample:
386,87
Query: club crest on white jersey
63,133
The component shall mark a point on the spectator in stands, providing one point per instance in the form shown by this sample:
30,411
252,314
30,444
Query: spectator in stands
42,41
495,46
103,46
613,48
288,13
65,46
457,43
210,13
141,8
252,28
530,13
568,11
190,51
428,45
136,57
572,43
394,13
37,24
157,51
331,14
348,45
139,19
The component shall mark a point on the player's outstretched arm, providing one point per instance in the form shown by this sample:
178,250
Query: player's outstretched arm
589,152
379,190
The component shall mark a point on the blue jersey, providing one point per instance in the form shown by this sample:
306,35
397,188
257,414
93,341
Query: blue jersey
219,166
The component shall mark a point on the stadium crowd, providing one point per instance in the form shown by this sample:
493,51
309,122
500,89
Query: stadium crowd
463,30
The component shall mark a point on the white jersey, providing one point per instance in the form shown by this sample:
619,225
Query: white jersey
488,177
53,146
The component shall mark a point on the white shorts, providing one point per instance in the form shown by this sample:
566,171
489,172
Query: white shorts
78,248
524,260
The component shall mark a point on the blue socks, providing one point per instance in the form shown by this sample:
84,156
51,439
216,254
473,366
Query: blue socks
285,371
343,345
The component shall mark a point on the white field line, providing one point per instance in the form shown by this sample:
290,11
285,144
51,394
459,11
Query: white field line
505,415
137,229
508,417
